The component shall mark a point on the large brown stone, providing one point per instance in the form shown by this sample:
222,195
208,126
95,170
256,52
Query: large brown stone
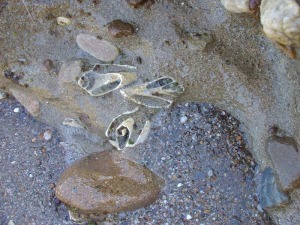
286,160
106,182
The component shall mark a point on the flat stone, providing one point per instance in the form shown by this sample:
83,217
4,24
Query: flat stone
69,72
28,101
100,49
285,157
106,182
270,194
119,28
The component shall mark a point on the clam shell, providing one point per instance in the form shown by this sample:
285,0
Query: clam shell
159,93
98,84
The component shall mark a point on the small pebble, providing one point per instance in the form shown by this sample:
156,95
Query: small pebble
136,3
119,28
188,217
210,173
48,64
16,110
183,119
179,185
11,222
3,95
63,21
47,135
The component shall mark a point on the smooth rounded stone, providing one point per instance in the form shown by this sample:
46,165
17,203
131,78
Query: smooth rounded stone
119,28
285,157
107,182
270,194
136,3
100,49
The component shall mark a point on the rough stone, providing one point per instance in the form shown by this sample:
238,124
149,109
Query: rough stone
106,182
286,160
28,101
119,28
100,49
269,193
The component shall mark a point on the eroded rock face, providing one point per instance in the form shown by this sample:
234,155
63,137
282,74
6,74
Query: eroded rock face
106,182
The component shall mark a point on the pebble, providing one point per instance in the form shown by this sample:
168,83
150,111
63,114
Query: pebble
119,28
100,49
183,119
188,217
210,173
106,182
136,3
48,64
11,222
179,185
47,135
3,95
63,21
16,110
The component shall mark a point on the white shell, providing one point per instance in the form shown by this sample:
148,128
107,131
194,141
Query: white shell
281,21
159,93
237,6
63,21
120,135
72,123
97,84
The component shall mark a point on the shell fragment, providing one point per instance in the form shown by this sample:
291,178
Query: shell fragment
159,93
125,131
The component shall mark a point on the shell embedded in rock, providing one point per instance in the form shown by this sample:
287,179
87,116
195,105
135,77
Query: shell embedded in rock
159,93
125,131
97,84
237,6
281,21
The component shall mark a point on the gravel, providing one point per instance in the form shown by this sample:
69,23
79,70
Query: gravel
208,171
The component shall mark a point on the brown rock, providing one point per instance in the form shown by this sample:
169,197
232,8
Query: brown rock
106,182
119,28
28,101
136,3
286,160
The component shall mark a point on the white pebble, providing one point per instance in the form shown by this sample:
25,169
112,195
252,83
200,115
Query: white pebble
11,222
210,173
47,135
183,119
188,217
63,21
16,110
179,185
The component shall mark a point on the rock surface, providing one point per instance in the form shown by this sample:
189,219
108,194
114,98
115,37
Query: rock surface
286,160
106,182
270,194
119,28
100,49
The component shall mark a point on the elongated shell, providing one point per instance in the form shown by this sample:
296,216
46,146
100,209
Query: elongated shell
121,131
281,21
97,84
159,93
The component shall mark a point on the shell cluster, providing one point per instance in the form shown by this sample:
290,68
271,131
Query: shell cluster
127,129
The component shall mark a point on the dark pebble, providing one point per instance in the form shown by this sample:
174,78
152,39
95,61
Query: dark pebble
118,29
136,3
48,64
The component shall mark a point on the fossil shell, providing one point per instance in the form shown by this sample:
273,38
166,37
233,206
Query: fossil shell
281,21
123,130
237,6
97,84
159,93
